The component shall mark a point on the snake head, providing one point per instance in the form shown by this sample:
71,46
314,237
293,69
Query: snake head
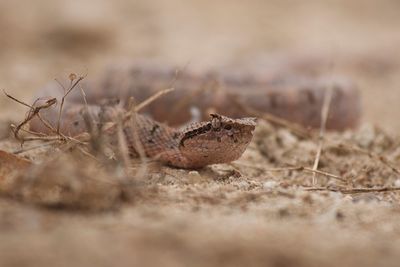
220,140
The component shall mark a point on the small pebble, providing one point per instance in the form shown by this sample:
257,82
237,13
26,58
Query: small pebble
270,185
194,175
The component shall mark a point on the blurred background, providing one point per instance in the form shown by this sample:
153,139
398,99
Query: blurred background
217,216
44,39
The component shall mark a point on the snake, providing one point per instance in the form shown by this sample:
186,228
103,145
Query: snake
200,122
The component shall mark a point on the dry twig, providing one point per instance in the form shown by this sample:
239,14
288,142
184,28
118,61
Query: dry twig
152,98
355,190
294,168
295,128
137,144
34,111
128,115
385,161
324,117
66,93
122,144
26,149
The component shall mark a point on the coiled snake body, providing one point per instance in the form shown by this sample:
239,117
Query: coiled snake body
220,138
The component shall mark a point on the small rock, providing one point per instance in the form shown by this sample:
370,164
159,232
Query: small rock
194,175
366,135
270,185
286,138
243,185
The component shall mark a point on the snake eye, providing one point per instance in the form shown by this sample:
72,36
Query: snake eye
228,127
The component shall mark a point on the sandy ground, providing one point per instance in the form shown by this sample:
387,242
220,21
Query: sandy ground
69,211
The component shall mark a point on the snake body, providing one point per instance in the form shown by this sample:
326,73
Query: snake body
218,139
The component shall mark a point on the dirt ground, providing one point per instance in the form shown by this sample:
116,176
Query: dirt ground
67,210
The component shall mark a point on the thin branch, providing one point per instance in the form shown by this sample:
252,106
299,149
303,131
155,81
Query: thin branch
293,127
61,85
72,86
136,141
83,96
385,161
325,174
123,146
26,149
33,112
152,98
13,129
324,117
17,100
355,190
292,168
88,154
146,102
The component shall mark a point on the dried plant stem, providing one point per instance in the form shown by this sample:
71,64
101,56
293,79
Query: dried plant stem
26,149
355,190
17,100
88,154
66,93
325,174
34,111
46,123
13,128
324,117
122,144
385,161
295,128
137,144
128,115
83,96
152,98
294,168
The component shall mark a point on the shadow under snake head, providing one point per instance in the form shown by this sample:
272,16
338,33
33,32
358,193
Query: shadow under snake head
220,140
